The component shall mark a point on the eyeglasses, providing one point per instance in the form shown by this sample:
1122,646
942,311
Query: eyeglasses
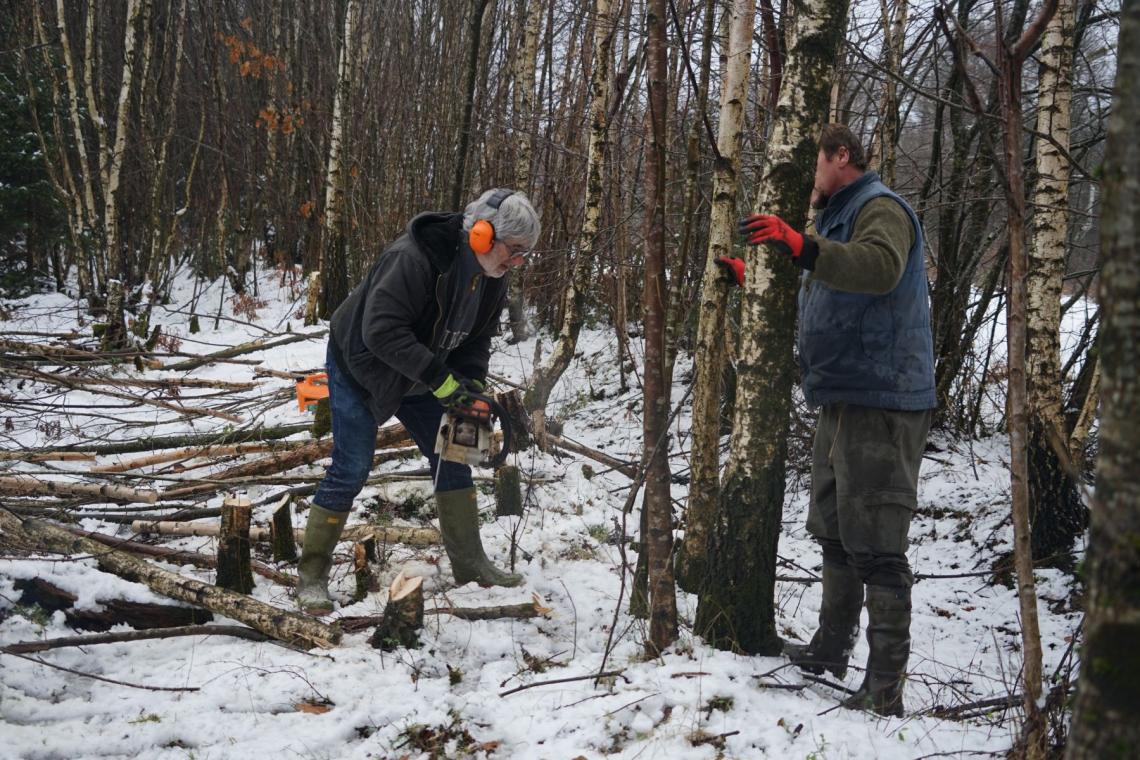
518,251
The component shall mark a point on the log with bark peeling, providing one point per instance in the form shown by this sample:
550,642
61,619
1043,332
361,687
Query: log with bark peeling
194,452
523,611
24,485
389,534
389,436
283,625
178,556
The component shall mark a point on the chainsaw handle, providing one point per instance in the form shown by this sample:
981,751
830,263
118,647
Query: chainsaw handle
500,413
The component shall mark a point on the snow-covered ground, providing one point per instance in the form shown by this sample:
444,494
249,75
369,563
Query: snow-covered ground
449,698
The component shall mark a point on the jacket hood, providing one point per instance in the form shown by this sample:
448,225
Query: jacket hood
437,233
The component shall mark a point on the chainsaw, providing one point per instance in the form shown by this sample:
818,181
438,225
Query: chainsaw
466,433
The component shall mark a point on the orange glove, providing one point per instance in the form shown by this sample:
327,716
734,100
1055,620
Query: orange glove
732,267
770,229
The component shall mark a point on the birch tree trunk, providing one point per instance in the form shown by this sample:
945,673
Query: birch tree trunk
574,296
116,337
523,107
87,176
1104,718
712,334
657,504
1010,60
334,254
736,609
1058,516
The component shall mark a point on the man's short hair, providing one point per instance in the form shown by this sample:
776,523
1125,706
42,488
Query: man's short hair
836,136
515,219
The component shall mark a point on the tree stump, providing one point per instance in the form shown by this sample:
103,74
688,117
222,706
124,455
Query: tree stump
403,615
363,555
508,492
234,571
281,532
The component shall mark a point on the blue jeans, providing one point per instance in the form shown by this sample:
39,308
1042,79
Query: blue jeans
354,442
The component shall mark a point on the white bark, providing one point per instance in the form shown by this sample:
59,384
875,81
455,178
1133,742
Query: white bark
711,332
114,162
333,194
1050,219
523,105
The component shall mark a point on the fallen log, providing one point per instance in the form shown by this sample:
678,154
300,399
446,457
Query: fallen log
156,443
193,452
629,469
236,631
25,485
261,344
59,456
387,437
140,615
178,556
283,625
524,611
389,534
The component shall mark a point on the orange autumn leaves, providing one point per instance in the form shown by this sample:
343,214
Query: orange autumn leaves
255,63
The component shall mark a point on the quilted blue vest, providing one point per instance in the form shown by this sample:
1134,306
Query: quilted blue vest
858,348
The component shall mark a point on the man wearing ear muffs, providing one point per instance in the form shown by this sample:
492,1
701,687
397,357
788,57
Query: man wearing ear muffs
410,340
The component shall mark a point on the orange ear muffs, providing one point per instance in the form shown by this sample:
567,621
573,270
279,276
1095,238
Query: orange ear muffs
481,237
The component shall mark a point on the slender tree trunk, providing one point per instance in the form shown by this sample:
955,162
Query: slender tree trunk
334,253
474,40
657,504
574,296
87,175
1058,516
1104,719
894,39
712,333
1010,60
116,338
523,107
736,609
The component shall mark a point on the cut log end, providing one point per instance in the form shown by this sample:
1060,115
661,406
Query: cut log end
403,615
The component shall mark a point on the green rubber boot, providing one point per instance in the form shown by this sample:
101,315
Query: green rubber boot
321,534
459,527
888,635
833,641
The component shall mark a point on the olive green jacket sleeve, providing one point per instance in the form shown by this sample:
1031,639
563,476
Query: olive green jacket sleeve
874,260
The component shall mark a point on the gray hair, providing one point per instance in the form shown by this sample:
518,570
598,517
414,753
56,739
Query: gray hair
515,219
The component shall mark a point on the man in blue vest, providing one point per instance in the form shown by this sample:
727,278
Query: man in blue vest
867,361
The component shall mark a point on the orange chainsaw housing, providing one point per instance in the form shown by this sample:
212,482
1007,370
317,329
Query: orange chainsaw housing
312,389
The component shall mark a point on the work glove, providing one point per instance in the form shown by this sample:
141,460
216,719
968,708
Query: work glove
733,268
455,390
770,229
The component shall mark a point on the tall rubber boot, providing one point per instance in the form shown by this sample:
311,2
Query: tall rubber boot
831,646
888,635
459,527
321,534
